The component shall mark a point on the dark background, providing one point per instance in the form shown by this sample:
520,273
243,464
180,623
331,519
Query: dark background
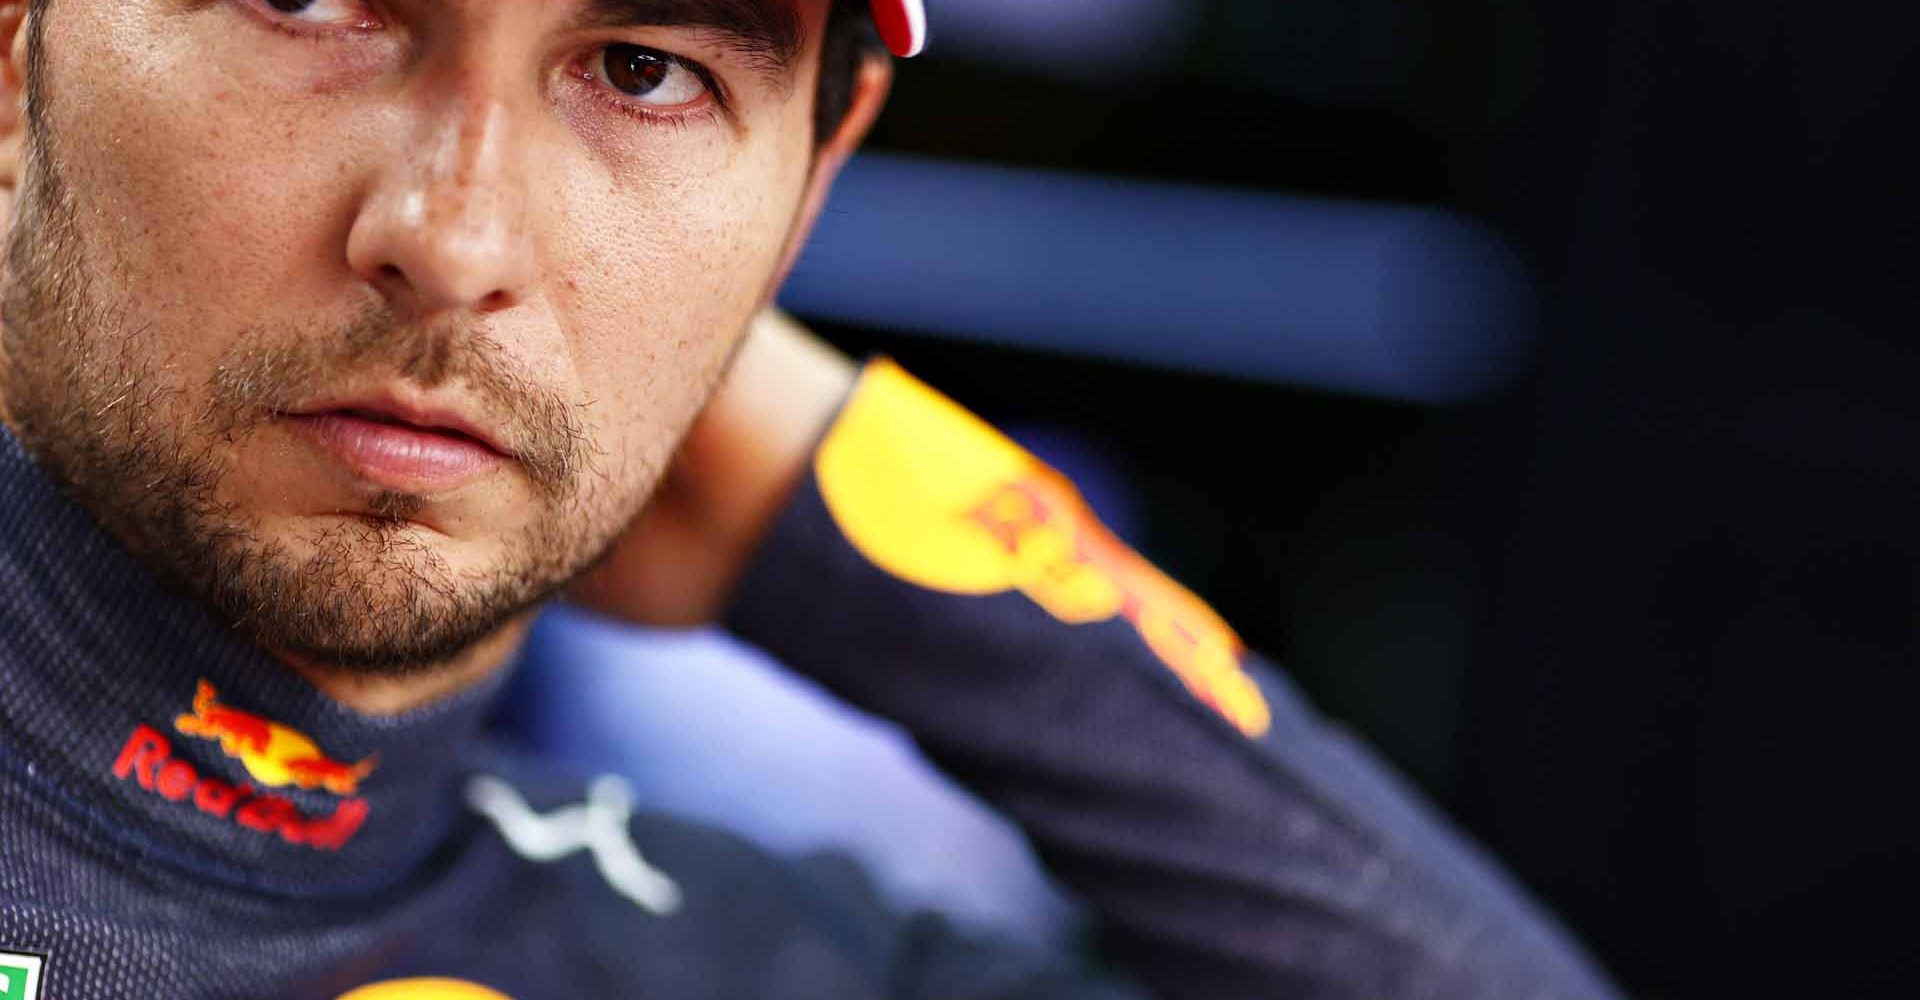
1641,613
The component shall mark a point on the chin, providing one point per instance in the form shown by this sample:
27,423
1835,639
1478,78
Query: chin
391,590
379,597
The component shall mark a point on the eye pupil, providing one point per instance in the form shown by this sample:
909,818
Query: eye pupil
635,70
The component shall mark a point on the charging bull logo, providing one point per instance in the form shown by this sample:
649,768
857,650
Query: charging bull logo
934,496
274,755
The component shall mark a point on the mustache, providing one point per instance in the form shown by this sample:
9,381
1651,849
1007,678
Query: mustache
270,370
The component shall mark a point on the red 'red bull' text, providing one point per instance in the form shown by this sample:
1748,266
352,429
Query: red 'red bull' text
147,760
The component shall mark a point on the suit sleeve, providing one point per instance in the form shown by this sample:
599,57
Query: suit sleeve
1231,843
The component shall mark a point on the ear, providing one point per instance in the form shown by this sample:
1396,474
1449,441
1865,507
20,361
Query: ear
13,75
869,96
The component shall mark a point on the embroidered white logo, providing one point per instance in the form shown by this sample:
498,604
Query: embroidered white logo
20,975
598,825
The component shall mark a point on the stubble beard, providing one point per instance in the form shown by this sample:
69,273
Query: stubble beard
367,593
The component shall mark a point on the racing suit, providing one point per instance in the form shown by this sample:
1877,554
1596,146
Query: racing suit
182,818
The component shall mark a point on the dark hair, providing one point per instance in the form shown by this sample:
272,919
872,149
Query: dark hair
850,40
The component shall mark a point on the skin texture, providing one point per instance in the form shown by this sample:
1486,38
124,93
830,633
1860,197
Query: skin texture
223,216
678,563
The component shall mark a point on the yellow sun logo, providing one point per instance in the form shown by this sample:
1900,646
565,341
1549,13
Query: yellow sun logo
425,989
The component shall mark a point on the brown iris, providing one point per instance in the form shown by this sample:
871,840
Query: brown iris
635,70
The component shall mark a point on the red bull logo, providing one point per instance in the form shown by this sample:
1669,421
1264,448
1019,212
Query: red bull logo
1067,563
932,495
274,755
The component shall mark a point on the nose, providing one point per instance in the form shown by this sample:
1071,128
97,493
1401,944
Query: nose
444,226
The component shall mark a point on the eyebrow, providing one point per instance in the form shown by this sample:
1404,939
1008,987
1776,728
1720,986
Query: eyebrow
768,33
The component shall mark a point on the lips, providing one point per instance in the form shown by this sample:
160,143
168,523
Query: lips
411,448
419,418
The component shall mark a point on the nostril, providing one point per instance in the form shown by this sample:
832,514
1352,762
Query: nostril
495,302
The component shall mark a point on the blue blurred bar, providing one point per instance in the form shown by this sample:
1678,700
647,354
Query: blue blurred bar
1088,40
1406,303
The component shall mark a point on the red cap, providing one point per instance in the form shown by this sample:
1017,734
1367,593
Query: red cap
903,25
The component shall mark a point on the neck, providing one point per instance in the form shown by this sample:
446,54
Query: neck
373,694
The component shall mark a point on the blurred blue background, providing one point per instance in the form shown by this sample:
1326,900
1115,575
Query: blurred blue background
1535,381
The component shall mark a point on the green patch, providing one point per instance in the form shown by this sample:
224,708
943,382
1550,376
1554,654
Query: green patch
20,976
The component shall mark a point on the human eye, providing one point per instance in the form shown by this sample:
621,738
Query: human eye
651,80
320,14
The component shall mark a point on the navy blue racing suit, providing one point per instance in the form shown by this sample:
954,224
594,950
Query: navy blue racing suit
182,818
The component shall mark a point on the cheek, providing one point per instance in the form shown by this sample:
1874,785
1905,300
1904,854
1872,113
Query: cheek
668,276
210,205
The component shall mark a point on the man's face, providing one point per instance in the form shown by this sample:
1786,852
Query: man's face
255,237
